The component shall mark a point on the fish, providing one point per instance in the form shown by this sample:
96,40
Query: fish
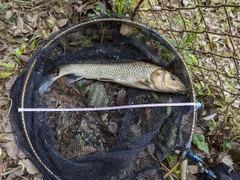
136,74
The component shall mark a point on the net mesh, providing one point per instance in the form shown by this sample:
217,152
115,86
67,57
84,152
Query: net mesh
206,33
119,144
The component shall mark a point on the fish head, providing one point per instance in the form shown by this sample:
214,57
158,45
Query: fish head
164,81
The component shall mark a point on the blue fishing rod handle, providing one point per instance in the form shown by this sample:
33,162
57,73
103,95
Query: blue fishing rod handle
209,174
194,157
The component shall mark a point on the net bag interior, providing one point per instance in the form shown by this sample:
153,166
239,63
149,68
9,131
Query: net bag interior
118,144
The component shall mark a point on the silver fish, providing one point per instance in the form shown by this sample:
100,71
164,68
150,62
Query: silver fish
137,74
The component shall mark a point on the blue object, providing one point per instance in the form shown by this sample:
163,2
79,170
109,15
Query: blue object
194,157
208,173
198,105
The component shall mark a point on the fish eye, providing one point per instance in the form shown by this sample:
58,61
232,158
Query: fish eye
173,78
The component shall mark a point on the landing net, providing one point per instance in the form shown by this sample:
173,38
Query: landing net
127,143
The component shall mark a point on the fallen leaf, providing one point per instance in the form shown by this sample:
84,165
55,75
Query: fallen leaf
55,29
5,74
121,98
17,32
20,22
35,20
58,9
193,169
238,46
15,174
8,14
228,43
69,11
209,117
8,128
24,58
10,82
3,102
27,27
8,136
62,22
29,18
21,155
227,160
31,169
51,21
25,31
3,45
12,149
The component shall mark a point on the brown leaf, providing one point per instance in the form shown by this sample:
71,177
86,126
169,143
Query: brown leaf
8,128
3,45
193,169
20,22
69,11
8,136
15,174
12,149
8,14
121,98
3,102
227,160
55,29
21,155
58,9
29,18
228,43
62,22
34,20
25,31
17,32
238,46
10,82
24,58
30,168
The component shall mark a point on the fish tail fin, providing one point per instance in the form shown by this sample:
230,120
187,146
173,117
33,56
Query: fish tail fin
45,83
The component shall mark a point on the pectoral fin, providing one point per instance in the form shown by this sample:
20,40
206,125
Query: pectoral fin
144,82
73,78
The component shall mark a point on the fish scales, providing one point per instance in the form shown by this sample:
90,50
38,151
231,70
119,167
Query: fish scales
117,72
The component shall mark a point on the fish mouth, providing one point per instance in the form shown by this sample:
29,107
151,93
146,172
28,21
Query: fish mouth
182,89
